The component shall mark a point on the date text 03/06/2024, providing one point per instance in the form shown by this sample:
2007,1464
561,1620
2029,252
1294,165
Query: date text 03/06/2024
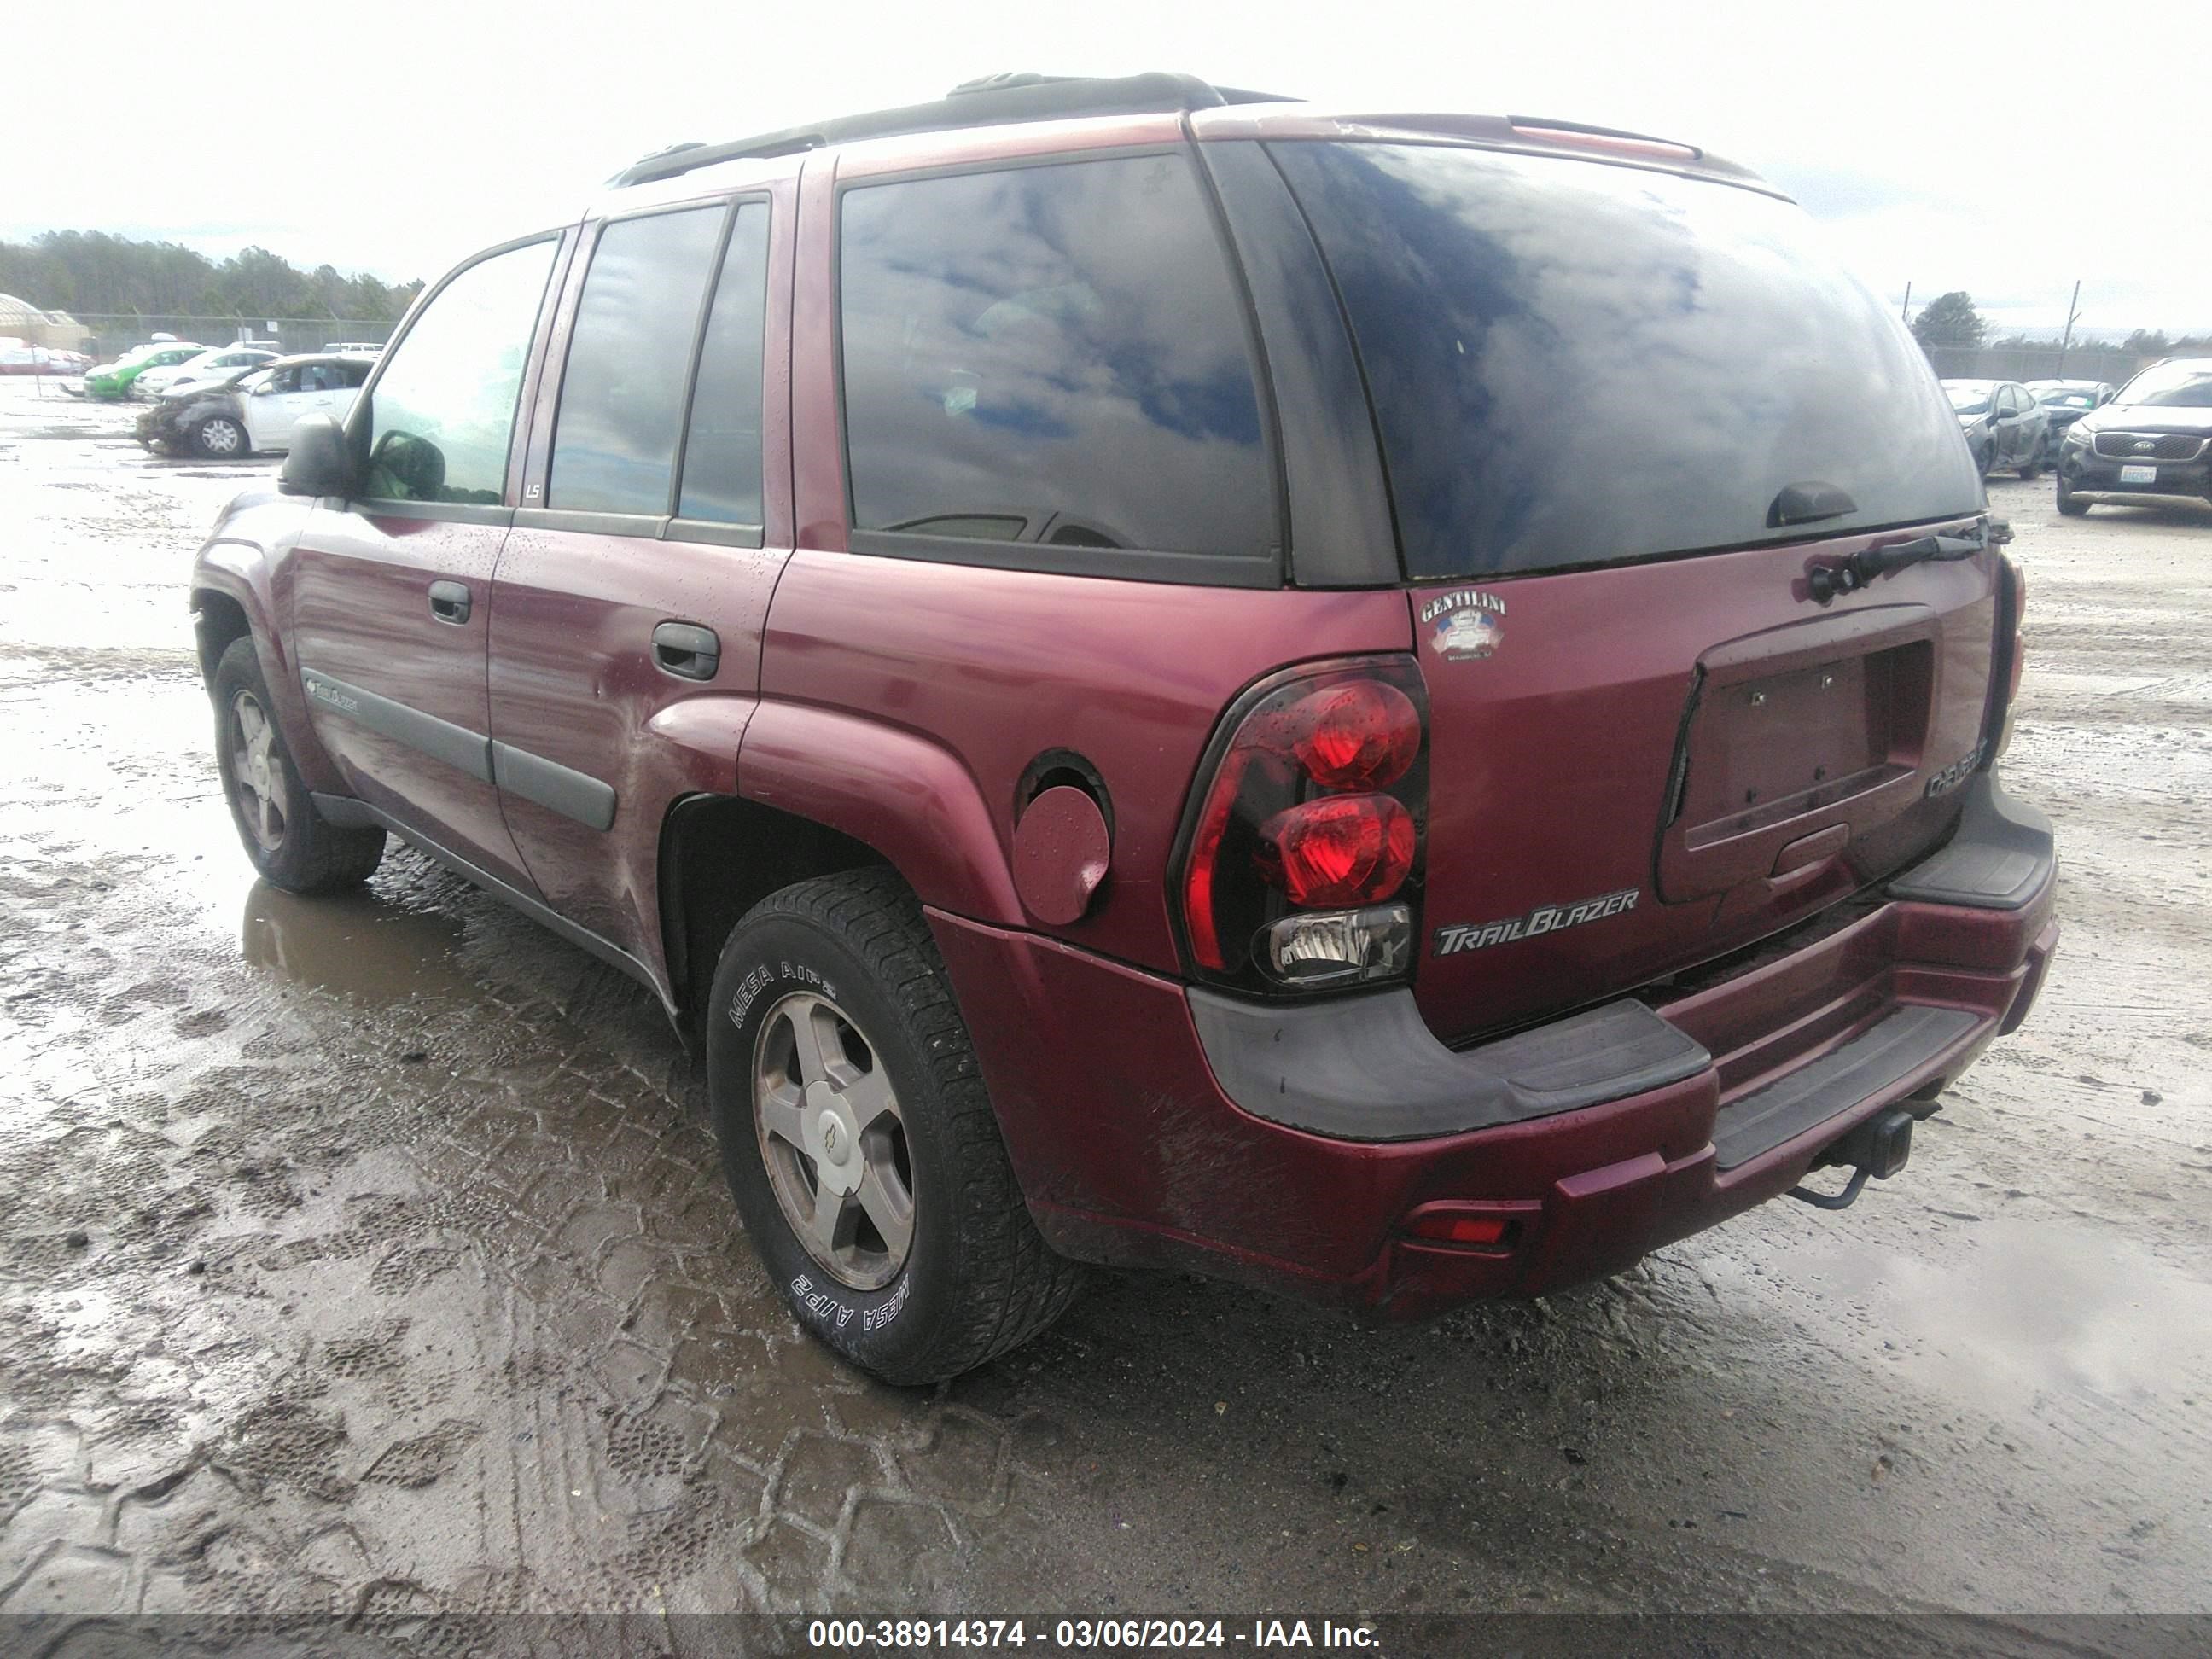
1255,1635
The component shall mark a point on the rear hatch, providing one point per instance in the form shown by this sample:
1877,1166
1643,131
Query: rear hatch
1623,414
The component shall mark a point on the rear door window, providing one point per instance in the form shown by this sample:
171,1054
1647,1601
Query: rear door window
722,444
629,359
1574,363
1053,357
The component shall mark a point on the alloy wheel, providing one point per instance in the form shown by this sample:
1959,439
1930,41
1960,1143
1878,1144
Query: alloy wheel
263,802
834,1140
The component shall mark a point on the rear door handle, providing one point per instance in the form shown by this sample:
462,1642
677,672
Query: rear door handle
449,603
686,650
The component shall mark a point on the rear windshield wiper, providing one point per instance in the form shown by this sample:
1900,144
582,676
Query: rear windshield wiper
1824,581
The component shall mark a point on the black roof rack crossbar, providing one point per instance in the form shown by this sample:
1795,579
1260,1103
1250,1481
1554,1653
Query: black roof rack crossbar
993,101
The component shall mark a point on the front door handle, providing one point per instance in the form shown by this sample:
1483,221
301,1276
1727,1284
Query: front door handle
686,650
449,603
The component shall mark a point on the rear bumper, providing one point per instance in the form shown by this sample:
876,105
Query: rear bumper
1152,1125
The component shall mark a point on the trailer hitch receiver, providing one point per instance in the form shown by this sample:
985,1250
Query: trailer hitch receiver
1879,1147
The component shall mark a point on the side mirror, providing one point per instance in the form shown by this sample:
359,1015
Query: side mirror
320,463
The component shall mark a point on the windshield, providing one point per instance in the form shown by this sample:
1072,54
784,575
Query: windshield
2175,386
1574,363
1970,399
2067,399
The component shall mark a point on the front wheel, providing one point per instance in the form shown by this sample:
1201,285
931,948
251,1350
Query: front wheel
859,1140
1987,460
292,845
2032,469
219,438
2072,506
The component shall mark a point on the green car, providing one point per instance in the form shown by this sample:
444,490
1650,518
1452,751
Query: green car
113,380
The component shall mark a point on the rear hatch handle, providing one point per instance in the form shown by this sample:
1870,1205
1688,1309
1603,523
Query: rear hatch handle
1826,581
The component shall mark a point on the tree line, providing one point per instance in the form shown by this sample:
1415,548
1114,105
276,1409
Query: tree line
1950,319
91,273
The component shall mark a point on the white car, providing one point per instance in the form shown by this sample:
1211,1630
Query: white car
212,365
274,401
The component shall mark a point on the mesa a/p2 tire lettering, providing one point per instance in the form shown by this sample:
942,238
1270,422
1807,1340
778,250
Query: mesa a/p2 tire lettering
836,1313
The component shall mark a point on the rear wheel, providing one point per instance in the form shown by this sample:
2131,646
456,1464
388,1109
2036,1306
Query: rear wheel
289,842
219,438
859,1141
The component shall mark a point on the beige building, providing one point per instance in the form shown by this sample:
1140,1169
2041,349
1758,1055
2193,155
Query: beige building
55,330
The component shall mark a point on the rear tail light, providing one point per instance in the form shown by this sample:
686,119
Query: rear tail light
2019,618
2012,611
1339,849
1302,857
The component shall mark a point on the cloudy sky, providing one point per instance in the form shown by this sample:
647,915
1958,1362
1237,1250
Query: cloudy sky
2005,148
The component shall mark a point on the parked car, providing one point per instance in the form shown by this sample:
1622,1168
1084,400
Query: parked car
110,382
2003,423
251,410
2065,402
2152,439
20,356
1423,832
212,365
202,419
356,348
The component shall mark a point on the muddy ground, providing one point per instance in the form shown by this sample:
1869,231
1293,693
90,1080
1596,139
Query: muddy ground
371,1254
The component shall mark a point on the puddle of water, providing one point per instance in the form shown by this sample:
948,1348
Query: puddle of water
2024,1307
355,943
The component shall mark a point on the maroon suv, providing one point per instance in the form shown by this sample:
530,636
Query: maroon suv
1401,707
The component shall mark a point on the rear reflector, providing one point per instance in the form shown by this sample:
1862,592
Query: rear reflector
1443,1224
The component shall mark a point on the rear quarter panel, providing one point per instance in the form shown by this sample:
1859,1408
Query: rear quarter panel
990,668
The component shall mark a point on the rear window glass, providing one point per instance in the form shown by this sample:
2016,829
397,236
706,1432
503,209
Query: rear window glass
1050,354
622,395
1574,363
2173,385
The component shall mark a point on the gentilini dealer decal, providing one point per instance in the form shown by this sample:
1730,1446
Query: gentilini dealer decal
1465,625
1544,919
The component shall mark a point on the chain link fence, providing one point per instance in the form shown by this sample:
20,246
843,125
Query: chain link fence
2034,362
113,335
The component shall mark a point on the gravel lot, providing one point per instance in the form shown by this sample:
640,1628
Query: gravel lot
371,1254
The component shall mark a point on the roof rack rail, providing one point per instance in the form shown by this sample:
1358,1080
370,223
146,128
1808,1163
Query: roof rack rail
991,100
1545,124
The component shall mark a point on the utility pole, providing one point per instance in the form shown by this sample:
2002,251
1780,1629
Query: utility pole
2073,315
